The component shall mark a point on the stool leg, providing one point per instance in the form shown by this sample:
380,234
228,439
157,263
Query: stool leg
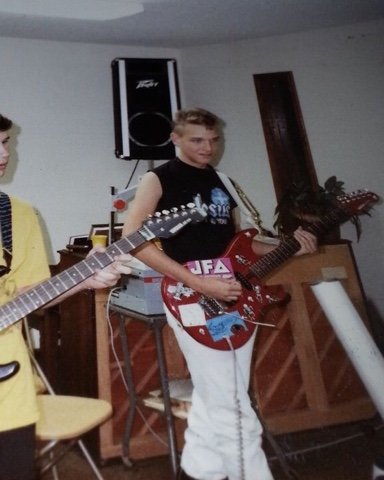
90,460
128,373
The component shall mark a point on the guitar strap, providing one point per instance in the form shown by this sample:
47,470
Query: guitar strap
246,213
6,229
243,208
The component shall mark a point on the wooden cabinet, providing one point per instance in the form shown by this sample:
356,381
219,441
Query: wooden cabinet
74,338
301,375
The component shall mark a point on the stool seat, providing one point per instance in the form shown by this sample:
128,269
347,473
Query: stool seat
64,417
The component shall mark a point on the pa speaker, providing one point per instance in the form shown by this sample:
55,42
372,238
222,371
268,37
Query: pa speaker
145,98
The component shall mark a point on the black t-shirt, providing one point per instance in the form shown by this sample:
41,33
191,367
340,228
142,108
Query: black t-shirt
180,183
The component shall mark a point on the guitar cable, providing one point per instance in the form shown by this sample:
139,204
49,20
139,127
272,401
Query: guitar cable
247,320
239,427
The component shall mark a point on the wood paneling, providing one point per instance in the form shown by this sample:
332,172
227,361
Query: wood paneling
302,376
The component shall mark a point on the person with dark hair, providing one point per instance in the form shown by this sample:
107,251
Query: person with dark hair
223,437
23,263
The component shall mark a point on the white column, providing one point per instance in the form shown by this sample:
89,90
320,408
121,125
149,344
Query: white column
355,338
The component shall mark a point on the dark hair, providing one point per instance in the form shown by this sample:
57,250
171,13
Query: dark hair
196,116
5,123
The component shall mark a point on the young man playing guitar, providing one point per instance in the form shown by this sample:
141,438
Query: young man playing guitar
23,263
223,438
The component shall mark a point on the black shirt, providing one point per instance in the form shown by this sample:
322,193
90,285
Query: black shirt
180,183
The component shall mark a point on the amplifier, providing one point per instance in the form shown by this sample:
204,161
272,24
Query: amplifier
140,291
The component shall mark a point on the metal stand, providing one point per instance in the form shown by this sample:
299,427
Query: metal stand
155,323
280,455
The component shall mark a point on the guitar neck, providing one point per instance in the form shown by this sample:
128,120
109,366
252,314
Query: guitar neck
45,292
287,248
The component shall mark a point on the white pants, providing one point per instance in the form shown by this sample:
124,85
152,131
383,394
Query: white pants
223,437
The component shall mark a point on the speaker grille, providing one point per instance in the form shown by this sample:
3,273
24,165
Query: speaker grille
146,97
156,122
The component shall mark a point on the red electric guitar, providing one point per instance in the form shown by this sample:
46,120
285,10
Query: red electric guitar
163,225
225,326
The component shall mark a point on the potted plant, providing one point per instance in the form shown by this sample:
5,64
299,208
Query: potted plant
302,204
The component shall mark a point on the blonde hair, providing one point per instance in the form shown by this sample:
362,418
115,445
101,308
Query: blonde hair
196,116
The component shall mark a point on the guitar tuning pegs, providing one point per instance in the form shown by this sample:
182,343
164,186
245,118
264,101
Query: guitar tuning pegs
191,205
165,212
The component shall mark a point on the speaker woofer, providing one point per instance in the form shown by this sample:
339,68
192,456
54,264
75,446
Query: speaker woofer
155,122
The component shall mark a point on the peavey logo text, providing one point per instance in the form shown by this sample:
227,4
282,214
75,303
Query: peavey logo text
150,83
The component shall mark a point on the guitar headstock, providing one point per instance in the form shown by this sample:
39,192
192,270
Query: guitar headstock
168,223
357,202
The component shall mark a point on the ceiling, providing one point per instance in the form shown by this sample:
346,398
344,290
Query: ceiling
182,23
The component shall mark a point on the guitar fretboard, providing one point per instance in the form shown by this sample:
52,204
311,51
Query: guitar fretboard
45,292
267,263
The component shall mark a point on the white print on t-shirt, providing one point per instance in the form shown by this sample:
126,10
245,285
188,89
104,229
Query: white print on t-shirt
219,208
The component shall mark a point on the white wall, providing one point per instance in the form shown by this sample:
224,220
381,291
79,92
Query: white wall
339,76
60,97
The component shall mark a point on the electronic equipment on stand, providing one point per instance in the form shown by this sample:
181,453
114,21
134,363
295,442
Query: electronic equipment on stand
140,291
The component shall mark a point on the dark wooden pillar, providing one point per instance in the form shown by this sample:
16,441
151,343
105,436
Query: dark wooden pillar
287,144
